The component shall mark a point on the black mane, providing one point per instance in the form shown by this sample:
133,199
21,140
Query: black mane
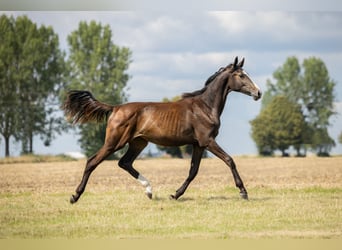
207,82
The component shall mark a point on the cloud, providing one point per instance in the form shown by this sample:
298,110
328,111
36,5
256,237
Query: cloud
180,64
175,72
278,30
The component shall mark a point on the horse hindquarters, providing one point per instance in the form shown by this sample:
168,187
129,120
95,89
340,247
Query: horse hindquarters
117,135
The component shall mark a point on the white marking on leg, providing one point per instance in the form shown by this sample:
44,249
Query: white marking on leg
146,184
149,189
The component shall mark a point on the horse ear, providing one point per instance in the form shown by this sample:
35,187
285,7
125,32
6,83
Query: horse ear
241,63
236,62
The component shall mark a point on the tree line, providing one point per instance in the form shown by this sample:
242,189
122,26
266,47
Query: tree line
31,72
35,75
296,109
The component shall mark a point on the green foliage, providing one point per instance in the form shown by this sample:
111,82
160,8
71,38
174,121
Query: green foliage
322,142
8,96
312,89
98,65
318,93
278,126
31,71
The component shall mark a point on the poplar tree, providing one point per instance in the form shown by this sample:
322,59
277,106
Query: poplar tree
98,65
31,69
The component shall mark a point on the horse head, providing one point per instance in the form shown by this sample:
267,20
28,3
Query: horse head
241,82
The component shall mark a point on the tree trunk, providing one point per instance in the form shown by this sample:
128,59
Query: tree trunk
7,152
284,154
23,146
31,144
27,144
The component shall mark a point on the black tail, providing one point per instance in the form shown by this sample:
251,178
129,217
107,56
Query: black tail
81,107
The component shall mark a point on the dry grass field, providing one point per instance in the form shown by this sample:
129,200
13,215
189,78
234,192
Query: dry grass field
289,198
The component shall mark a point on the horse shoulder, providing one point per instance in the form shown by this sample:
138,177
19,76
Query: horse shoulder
206,123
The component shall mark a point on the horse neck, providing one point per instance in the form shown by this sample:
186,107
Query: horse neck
215,95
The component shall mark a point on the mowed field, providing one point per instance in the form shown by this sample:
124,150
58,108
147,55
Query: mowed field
288,198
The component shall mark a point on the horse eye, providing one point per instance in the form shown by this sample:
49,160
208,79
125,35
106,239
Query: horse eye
242,76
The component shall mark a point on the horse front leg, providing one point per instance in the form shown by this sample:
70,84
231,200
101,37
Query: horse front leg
195,162
214,148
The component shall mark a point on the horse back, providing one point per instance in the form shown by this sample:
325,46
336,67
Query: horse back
163,123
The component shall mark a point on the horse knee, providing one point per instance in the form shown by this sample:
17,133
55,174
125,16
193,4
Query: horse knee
230,162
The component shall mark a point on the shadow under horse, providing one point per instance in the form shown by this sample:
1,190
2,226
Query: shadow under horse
194,119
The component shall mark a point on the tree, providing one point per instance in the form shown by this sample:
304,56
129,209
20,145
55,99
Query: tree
322,142
312,89
262,133
278,126
31,70
318,93
340,138
40,53
8,88
98,65
288,82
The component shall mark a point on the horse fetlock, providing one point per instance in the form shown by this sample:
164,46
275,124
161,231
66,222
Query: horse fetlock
149,195
148,191
177,195
172,197
74,198
244,195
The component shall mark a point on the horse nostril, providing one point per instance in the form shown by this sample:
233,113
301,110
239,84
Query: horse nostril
259,94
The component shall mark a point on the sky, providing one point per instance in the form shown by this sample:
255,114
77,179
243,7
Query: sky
176,51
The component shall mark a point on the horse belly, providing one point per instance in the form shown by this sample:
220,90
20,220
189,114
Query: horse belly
167,130
169,140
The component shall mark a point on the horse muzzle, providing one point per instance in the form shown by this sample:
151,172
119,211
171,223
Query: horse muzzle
257,95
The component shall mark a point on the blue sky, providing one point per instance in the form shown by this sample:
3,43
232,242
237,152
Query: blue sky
175,52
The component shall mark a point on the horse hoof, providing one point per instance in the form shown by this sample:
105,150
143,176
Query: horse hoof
244,196
172,197
149,195
72,199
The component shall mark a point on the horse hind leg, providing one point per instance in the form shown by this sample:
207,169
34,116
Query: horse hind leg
92,163
113,142
126,163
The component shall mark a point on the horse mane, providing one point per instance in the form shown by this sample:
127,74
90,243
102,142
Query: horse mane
207,82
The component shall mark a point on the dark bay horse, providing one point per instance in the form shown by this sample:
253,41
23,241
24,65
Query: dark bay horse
195,120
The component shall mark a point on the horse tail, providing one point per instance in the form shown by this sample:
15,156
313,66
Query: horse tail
81,107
